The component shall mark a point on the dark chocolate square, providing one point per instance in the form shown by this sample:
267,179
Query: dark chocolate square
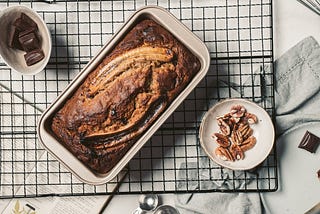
29,41
309,142
14,38
21,25
33,56
28,20
27,31
24,23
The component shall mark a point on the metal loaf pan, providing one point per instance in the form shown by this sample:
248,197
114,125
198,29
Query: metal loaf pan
57,149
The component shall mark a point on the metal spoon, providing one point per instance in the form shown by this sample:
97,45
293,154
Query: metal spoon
166,209
147,202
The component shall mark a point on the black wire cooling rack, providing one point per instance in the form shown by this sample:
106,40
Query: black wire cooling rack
238,34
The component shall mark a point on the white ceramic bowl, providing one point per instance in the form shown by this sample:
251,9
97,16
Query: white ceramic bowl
14,58
263,130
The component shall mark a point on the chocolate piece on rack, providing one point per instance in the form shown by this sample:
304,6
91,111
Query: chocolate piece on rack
309,142
34,56
29,41
318,173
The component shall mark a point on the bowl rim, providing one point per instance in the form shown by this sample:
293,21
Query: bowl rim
261,109
45,31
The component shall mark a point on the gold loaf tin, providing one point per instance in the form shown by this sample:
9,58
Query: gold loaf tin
57,149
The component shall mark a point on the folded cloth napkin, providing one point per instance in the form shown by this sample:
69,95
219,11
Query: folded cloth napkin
297,101
297,86
206,203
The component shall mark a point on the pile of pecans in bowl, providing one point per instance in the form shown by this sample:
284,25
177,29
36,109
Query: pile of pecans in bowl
235,136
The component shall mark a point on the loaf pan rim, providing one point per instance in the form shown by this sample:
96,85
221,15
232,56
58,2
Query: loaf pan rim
74,165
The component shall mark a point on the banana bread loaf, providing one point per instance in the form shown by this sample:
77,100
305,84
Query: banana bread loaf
124,95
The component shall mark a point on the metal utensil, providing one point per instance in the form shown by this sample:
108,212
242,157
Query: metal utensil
147,202
166,209
314,5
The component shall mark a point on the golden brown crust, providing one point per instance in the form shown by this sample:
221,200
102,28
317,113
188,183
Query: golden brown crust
124,95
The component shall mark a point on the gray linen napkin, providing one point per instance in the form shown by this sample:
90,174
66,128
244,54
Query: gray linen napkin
297,101
297,91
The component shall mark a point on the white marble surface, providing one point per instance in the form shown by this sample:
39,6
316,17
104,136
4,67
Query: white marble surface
292,23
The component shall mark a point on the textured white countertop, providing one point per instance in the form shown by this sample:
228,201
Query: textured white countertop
292,23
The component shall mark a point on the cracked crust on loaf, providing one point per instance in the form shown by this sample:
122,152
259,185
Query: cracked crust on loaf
124,95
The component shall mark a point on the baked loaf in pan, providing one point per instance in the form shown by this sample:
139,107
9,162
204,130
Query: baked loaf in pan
124,95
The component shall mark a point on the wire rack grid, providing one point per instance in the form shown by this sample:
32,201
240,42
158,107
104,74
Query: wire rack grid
238,35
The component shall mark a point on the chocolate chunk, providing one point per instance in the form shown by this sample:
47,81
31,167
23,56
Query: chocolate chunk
20,24
309,142
29,41
24,23
33,56
28,20
318,173
14,38
28,31
23,36
113,112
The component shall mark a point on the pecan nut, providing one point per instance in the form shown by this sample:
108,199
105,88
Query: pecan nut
248,143
236,152
236,137
251,118
224,127
237,111
245,130
221,139
223,154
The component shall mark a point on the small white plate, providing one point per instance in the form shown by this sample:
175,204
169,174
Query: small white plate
263,130
15,58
